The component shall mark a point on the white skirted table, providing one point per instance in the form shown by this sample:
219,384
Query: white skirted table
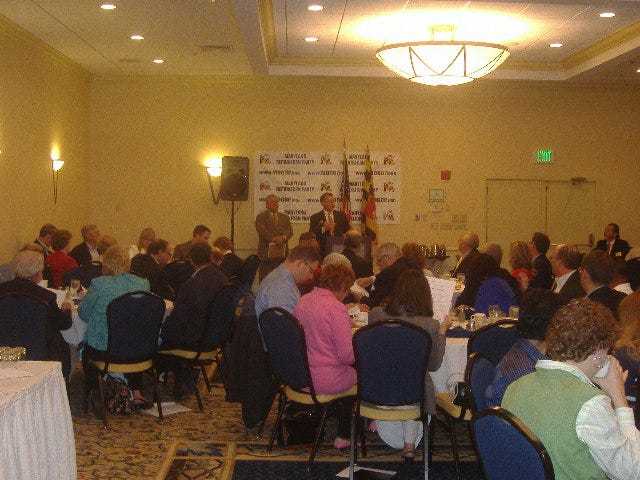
453,364
36,433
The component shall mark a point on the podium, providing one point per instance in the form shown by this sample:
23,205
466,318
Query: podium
336,245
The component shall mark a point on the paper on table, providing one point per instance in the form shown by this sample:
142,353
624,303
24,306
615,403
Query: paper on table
7,372
383,473
442,294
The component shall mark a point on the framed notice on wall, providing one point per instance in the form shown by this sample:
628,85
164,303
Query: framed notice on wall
299,178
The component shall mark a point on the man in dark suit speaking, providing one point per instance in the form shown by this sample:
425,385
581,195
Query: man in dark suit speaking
612,243
328,222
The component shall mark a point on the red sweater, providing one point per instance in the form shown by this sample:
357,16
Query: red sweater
59,263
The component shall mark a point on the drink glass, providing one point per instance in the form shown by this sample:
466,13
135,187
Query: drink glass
494,312
460,278
514,312
75,286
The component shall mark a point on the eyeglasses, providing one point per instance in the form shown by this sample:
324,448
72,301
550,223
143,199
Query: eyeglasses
311,269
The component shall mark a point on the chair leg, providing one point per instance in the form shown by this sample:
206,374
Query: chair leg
221,360
314,449
195,386
454,447
353,447
103,401
425,446
363,439
281,403
206,377
156,394
432,436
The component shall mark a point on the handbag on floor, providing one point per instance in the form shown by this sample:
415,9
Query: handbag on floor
299,427
118,396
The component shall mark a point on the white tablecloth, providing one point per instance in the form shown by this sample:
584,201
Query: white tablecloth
36,433
453,364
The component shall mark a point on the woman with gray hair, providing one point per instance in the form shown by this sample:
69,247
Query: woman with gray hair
115,281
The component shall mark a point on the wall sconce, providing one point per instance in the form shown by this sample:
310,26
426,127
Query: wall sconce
214,170
56,165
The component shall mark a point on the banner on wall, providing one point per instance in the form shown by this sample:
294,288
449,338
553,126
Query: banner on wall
300,178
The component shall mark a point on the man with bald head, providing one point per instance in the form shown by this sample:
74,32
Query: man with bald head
468,246
352,243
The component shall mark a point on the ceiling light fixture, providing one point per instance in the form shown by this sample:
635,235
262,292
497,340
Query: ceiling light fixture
108,6
607,14
442,60
311,39
556,45
158,60
314,7
136,37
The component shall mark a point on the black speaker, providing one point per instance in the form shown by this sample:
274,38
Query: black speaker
234,182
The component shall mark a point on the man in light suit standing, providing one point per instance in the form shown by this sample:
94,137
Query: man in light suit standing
328,222
274,231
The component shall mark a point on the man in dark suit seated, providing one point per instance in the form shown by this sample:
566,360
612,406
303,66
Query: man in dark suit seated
231,264
392,264
565,262
468,246
612,243
186,323
28,273
182,251
539,246
150,265
328,222
87,251
44,238
352,242
595,276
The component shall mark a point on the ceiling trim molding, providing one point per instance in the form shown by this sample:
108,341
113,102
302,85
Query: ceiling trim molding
10,29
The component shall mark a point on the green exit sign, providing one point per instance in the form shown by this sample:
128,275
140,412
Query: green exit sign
544,156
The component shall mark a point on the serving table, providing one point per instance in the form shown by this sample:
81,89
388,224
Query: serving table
36,433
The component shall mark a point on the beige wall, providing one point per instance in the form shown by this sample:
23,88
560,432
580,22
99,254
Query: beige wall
149,139
43,103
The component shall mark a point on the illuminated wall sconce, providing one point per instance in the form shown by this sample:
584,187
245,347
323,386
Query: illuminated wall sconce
56,165
214,170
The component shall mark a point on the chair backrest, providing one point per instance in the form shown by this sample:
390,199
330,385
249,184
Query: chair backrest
286,346
391,361
493,340
249,269
85,274
221,313
133,326
508,449
23,323
178,272
479,374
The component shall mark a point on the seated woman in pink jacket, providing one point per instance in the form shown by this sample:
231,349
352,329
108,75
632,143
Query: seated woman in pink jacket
327,328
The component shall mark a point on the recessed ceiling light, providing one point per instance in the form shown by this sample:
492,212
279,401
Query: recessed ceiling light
158,60
314,7
108,6
136,37
311,39
556,45
607,14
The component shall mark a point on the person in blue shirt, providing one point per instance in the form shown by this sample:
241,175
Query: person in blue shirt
536,310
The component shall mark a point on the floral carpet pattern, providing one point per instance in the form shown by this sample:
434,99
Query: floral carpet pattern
194,444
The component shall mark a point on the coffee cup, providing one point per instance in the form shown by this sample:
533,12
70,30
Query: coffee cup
480,319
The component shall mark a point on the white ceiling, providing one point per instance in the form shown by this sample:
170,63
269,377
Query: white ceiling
266,37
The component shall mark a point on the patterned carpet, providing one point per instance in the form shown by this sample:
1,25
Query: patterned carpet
202,445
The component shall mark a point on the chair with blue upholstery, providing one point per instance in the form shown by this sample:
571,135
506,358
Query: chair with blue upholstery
494,340
133,329
470,399
508,449
391,361
218,329
23,323
249,270
286,346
